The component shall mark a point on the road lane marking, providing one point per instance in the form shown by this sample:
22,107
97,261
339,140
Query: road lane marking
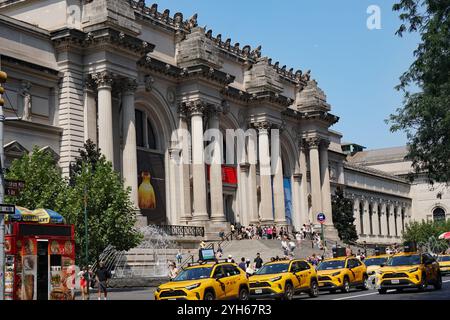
361,295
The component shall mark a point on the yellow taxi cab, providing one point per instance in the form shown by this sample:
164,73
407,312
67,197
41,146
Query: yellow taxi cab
342,273
409,270
283,279
206,281
444,264
373,264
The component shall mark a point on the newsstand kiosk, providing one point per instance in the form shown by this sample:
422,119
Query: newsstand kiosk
40,260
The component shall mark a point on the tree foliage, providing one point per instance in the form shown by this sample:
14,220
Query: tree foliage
425,114
110,212
343,218
426,234
44,185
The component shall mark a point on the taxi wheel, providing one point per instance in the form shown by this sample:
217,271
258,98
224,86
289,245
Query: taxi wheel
314,289
365,285
346,286
423,285
209,296
288,292
438,284
243,294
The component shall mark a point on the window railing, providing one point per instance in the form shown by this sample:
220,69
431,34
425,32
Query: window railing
184,231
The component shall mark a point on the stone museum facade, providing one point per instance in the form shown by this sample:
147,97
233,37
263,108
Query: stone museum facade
127,76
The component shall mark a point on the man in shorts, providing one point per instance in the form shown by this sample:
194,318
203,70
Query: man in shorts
102,275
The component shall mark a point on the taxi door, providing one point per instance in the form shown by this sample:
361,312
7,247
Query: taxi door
232,278
297,278
427,261
352,270
359,270
305,274
219,279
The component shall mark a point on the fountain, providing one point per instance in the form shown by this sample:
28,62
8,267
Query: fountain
148,260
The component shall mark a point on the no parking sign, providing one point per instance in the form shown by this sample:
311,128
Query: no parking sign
321,218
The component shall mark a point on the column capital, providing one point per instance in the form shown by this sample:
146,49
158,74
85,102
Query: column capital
263,127
297,176
89,84
128,86
313,142
324,144
103,79
196,108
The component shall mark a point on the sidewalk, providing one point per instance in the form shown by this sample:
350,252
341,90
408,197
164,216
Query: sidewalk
123,294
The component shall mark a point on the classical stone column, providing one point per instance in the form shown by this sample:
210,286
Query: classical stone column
304,210
399,220
265,208
375,223
252,200
356,214
278,185
391,220
200,213
183,137
129,154
366,221
245,214
314,165
296,180
90,111
325,182
215,173
105,119
173,215
384,220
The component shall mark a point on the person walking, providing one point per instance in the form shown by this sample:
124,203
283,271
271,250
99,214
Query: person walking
102,276
173,271
85,277
233,230
258,262
285,246
242,264
179,256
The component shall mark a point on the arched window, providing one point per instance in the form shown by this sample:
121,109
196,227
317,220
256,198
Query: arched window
145,134
151,138
370,218
380,232
438,214
388,216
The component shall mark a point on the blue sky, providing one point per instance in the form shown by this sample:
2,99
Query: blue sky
358,68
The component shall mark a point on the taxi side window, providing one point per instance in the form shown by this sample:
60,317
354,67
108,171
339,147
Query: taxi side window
357,263
295,267
230,270
303,265
218,273
351,263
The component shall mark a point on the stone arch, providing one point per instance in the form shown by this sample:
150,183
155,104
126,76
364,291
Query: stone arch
439,214
288,154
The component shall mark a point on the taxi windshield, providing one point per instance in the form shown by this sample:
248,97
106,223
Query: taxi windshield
375,261
445,258
274,268
194,274
331,265
404,260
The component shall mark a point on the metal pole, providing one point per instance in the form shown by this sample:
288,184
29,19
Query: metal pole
2,221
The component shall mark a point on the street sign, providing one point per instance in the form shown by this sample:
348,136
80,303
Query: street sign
13,187
7,209
321,218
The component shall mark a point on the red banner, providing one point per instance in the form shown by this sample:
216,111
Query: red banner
229,175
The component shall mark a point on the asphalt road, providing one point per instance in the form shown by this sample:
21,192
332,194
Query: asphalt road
354,294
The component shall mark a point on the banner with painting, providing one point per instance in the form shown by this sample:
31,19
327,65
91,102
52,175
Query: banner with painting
151,186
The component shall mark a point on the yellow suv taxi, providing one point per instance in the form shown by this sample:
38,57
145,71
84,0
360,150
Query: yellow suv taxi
409,270
283,279
206,281
342,273
373,264
444,264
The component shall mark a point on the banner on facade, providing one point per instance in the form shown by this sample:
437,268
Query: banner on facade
151,186
229,175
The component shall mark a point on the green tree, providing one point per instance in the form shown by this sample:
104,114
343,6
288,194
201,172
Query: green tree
44,185
426,234
111,215
343,219
425,114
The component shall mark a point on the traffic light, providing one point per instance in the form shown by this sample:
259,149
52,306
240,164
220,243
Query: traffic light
3,78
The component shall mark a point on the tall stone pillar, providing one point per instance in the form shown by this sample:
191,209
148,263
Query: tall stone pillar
245,214
375,224
215,173
296,181
304,210
265,208
183,137
200,213
129,154
357,216
173,209
90,111
384,220
391,220
278,186
314,165
252,200
399,220
325,182
366,218
105,118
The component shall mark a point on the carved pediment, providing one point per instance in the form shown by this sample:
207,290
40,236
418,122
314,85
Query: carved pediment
14,149
52,152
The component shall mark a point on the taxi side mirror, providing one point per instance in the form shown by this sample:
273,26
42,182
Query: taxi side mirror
382,265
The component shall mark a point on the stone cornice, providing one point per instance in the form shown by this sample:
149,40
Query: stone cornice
39,68
373,172
73,38
37,127
269,96
313,115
